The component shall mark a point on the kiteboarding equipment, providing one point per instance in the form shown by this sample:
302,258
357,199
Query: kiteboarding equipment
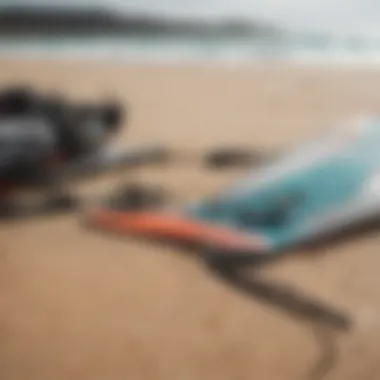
323,186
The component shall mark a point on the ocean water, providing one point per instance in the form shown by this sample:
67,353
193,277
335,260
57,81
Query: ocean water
294,47
342,35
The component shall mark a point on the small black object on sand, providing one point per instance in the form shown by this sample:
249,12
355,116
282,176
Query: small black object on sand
228,157
137,197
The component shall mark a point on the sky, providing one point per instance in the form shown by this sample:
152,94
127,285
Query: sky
340,15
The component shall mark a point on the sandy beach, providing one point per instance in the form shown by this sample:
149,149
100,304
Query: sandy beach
75,304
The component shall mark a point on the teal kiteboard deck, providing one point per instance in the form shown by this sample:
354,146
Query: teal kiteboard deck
330,183
326,185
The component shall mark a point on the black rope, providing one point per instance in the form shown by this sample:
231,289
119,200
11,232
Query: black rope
327,340
325,321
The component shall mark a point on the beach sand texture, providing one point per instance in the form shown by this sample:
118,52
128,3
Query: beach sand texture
75,304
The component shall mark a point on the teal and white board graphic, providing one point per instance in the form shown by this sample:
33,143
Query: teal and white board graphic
330,182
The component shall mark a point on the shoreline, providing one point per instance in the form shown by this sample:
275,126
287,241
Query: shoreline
178,62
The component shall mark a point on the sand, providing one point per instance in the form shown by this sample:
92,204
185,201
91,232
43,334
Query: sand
75,304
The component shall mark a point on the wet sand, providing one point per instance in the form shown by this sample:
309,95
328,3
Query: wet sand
75,304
